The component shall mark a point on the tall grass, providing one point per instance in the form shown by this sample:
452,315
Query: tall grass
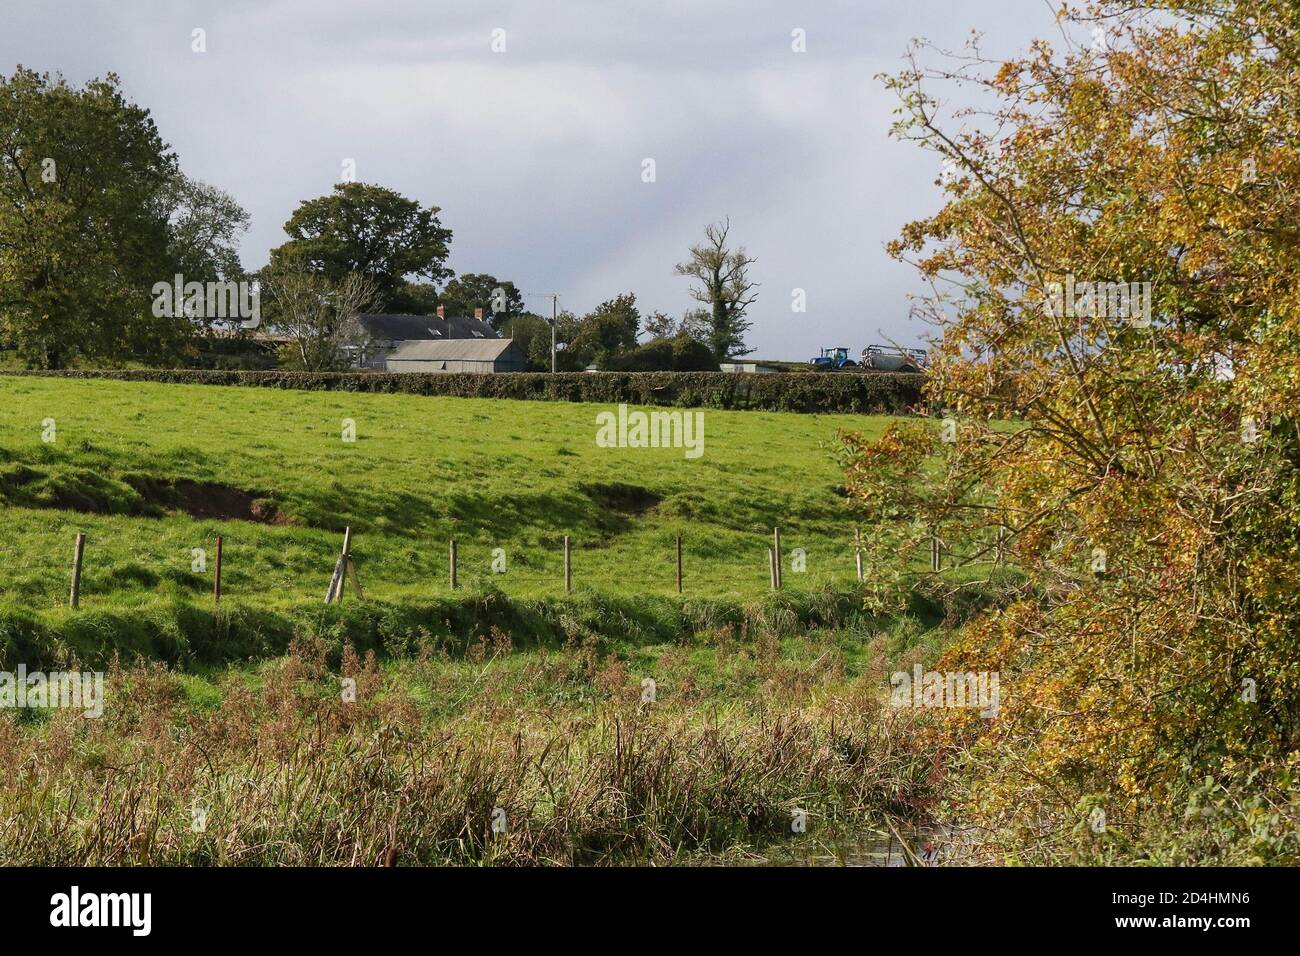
284,771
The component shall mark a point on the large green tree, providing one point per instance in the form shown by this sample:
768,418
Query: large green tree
84,235
694,324
676,353
370,231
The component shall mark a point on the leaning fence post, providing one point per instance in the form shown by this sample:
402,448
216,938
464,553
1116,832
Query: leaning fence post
568,567
340,569
451,563
216,575
75,596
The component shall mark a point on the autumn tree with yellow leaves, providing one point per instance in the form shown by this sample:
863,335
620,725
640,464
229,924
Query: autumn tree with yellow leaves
1114,276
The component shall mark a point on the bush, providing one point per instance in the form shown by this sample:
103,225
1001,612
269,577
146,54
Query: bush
237,354
842,392
679,354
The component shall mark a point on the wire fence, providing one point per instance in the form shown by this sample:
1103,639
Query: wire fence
48,580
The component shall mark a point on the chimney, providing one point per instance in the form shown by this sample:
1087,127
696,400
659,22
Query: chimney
442,314
478,314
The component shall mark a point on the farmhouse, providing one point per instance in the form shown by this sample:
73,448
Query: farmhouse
385,331
435,343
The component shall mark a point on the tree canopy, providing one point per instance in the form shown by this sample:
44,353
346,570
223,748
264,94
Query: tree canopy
465,293
205,225
371,231
85,199
608,330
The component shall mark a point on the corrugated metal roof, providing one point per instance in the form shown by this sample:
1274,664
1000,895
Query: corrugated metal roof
396,328
471,350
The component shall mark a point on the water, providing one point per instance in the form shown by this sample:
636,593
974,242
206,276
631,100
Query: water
862,848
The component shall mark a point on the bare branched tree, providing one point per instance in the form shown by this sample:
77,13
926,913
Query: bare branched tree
724,286
320,317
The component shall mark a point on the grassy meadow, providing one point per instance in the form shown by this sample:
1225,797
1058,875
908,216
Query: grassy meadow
505,694
492,474
152,472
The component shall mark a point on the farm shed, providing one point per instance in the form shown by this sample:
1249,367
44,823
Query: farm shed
742,366
457,355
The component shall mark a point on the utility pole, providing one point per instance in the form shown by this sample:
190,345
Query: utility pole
555,320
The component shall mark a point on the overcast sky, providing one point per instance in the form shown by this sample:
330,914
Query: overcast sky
535,154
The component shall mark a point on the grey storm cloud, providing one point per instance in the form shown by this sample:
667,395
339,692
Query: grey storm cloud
535,155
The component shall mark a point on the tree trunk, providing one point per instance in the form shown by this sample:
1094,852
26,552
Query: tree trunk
721,330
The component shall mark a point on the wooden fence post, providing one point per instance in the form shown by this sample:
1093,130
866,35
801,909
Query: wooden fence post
75,597
776,558
451,563
568,567
936,560
679,564
771,566
857,552
335,591
216,575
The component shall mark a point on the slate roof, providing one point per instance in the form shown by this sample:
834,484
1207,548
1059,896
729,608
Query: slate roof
400,328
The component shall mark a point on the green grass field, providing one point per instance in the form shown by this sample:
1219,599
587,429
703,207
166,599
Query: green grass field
493,474
134,466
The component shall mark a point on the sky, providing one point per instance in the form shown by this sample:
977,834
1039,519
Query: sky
536,151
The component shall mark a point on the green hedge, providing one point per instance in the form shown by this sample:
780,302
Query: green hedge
191,636
875,392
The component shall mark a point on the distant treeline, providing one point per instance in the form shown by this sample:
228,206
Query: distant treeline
808,392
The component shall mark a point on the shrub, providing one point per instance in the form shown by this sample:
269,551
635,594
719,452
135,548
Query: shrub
842,392
678,354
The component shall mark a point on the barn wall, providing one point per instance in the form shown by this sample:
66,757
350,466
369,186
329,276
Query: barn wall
512,360
435,367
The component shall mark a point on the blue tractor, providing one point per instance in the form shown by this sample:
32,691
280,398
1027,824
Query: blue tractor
832,360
